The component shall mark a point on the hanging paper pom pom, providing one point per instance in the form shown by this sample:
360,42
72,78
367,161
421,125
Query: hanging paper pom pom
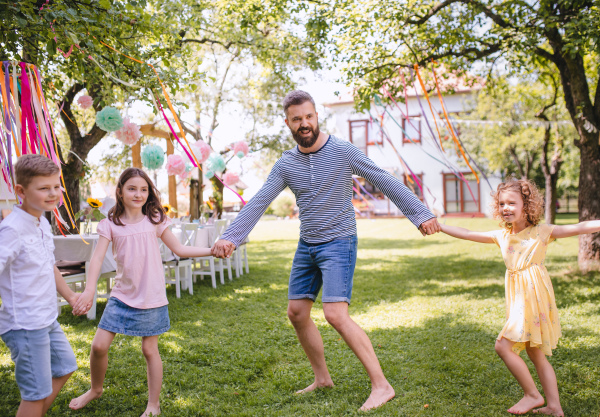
187,172
201,151
215,163
209,174
109,119
129,134
240,149
175,165
85,102
230,178
153,157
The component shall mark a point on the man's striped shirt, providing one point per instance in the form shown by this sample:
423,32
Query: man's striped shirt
322,184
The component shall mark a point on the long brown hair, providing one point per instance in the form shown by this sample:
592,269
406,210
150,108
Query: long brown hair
533,203
152,208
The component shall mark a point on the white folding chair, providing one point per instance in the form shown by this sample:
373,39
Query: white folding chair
220,226
205,265
172,262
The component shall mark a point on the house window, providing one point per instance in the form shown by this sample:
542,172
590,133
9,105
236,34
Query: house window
412,127
414,187
457,196
359,134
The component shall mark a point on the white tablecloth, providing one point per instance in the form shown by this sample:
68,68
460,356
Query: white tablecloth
72,248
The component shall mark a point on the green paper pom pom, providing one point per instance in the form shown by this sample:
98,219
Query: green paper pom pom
188,167
209,174
240,154
215,163
153,157
109,119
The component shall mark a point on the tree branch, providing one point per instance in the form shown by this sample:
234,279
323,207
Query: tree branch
496,18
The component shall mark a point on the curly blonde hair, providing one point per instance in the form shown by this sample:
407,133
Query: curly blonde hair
533,202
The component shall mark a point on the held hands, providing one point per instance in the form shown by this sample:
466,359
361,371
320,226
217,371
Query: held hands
430,227
222,249
83,303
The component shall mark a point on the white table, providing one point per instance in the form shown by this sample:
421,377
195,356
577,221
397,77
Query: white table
73,249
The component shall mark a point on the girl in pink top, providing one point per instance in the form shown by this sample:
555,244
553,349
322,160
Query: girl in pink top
138,301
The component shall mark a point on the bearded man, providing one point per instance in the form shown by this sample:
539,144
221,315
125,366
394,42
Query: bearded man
319,173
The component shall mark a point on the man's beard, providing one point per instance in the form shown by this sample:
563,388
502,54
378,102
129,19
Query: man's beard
306,142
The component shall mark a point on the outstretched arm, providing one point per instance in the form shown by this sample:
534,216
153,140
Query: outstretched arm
568,230
86,299
181,250
466,234
403,198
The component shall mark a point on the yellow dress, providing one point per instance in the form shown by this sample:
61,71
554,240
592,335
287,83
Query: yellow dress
531,314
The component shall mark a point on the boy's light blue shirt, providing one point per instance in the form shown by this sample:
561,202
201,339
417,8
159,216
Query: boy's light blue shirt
27,285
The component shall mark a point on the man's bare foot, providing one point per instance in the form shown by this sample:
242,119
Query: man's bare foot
550,411
527,403
378,397
151,411
315,386
82,400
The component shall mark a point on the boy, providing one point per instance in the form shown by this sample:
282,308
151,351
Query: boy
43,358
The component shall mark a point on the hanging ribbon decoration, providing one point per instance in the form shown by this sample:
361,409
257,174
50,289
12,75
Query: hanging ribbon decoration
456,141
188,151
28,123
429,101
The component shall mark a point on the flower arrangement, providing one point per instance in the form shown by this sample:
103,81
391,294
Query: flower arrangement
201,151
231,178
240,149
168,209
93,210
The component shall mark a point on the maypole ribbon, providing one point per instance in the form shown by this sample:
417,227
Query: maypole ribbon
449,124
428,101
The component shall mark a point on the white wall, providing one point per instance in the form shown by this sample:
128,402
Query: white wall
414,154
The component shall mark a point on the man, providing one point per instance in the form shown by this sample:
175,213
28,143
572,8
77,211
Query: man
319,172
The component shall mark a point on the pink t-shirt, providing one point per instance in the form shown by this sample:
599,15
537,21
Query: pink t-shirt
140,280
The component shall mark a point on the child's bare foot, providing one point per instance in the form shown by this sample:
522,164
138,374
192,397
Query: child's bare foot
315,386
527,403
82,400
151,411
550,411
378,397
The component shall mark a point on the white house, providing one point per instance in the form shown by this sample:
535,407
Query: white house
406,129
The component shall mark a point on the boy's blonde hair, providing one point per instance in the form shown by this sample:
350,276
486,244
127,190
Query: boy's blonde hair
533,203
32,165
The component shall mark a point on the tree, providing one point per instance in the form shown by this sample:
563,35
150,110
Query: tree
375,38
64,40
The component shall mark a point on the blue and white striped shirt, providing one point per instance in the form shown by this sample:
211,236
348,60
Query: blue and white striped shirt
322,184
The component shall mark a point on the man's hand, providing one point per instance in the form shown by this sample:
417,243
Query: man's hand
430,227
222,249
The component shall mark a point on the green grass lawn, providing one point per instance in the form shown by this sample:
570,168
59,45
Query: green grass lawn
431,306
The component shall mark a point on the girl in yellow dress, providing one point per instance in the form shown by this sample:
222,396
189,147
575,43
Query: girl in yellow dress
531,316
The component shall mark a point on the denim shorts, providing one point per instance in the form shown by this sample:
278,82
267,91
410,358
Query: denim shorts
329,265
120,318
39,356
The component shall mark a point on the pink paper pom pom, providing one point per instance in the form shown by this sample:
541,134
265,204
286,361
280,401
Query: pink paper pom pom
231,178
85,102
201,151
240,149
129,134
175,165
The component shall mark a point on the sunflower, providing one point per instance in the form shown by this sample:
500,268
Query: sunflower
167,208
94,202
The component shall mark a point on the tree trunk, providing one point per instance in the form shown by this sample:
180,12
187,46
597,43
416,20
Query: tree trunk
194,207
589,203
218,196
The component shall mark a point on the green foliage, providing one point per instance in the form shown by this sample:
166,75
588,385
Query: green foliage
432,308
514,146
131,26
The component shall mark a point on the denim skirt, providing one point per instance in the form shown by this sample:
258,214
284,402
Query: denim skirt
120,318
